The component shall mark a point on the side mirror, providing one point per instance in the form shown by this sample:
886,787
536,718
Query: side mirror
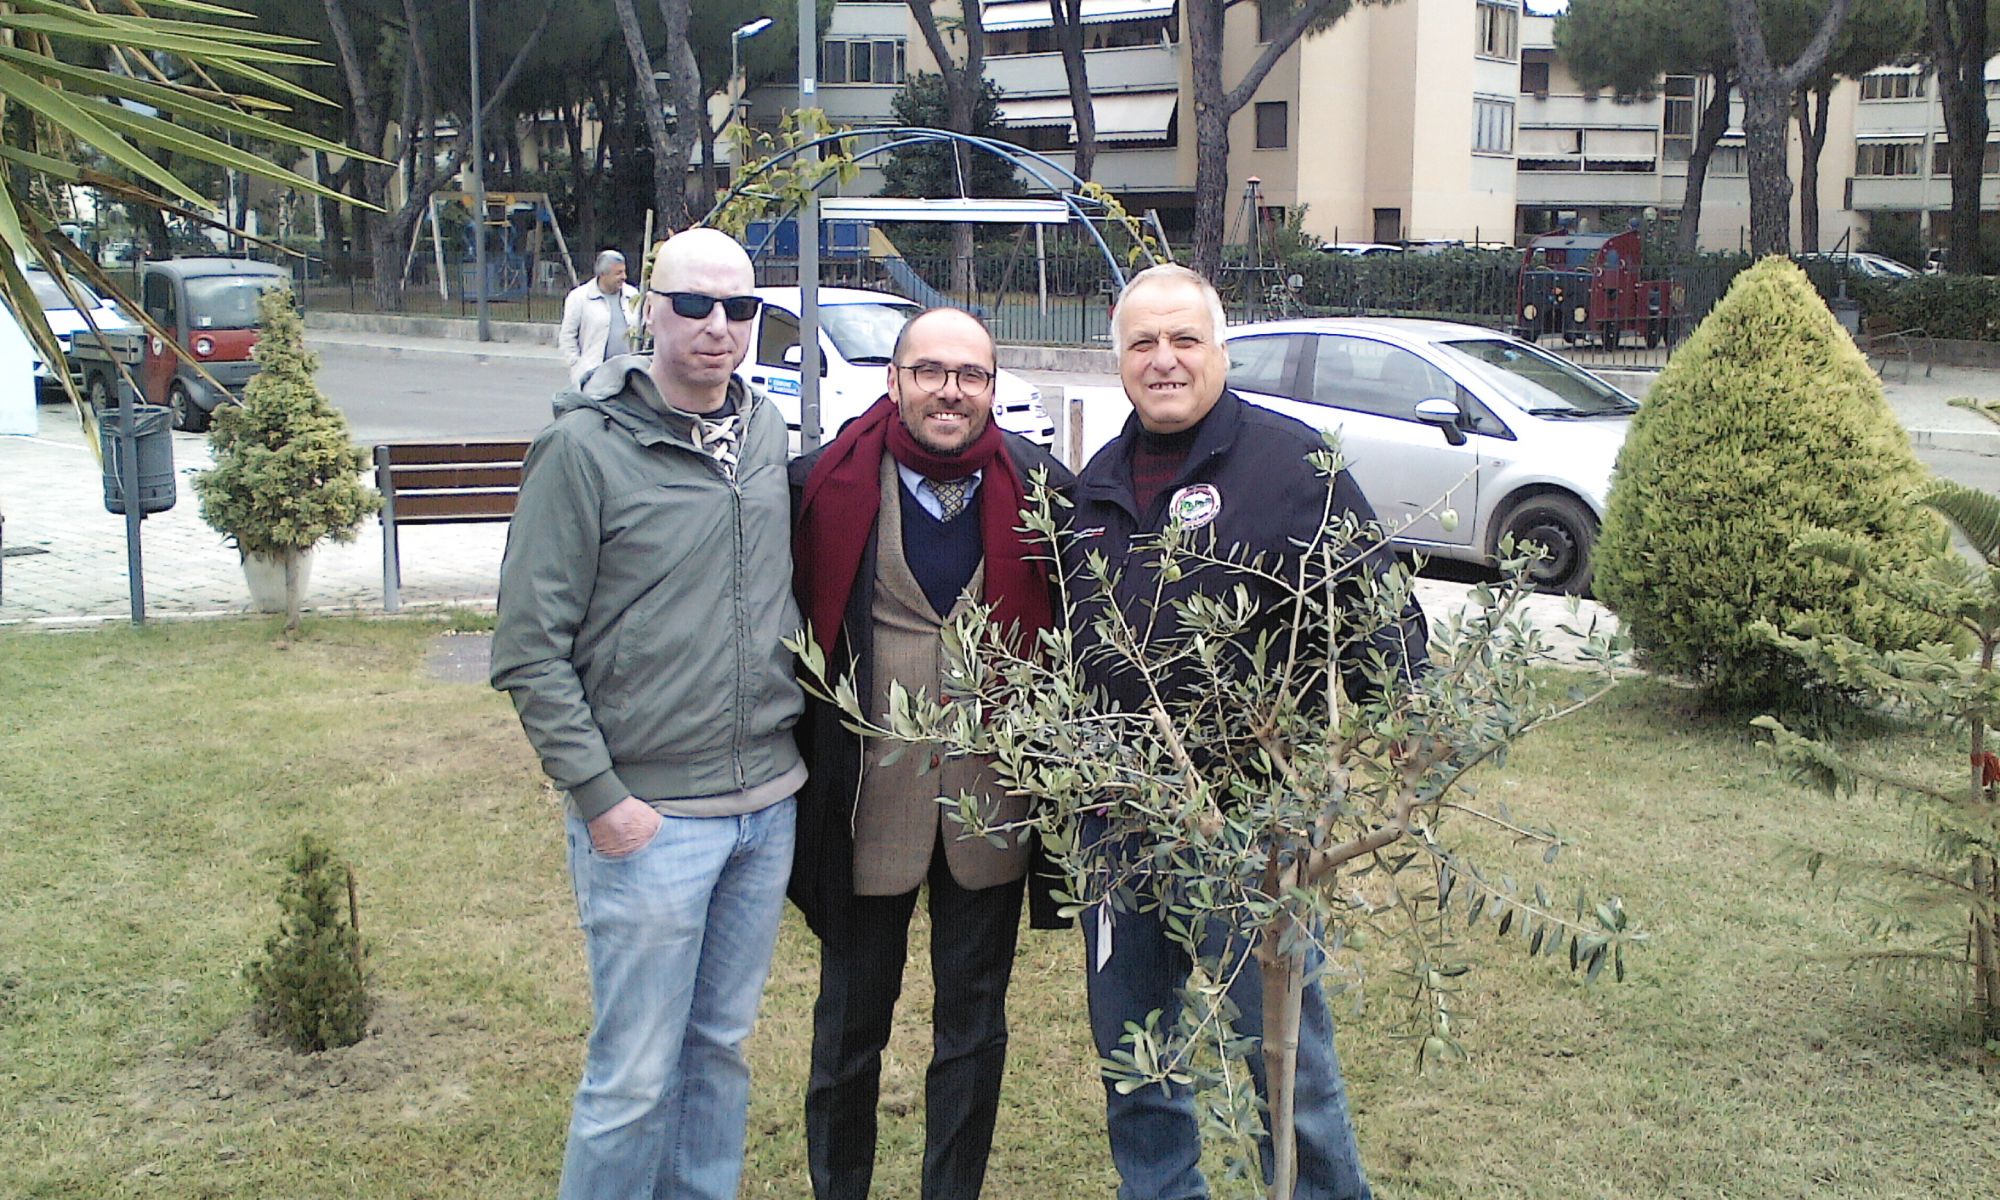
795,358
1443,414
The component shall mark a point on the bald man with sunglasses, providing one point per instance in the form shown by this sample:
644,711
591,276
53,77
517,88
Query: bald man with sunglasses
645,587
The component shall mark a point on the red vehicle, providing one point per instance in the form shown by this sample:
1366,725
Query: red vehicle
1586,286
210,305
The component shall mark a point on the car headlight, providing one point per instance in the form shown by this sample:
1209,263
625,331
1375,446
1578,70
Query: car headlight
204,346
1582,314
1528,312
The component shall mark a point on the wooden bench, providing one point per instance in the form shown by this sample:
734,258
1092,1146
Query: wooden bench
441,483
1882,338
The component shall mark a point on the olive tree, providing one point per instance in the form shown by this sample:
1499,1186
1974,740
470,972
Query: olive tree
1265,798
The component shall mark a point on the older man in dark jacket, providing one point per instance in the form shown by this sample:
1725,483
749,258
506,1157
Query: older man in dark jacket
1238,478
911,513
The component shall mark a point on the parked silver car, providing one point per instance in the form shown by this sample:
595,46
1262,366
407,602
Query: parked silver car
1510,438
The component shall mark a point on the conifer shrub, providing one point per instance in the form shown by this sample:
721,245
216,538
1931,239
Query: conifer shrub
1765,426
287,473
310,986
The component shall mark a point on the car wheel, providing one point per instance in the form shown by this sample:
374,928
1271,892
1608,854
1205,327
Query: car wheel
1567,530
1607,334
1656,332
98,392
188,416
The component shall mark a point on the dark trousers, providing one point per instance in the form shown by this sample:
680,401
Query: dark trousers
861,975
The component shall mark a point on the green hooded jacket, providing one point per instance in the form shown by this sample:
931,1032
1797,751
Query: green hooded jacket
643,596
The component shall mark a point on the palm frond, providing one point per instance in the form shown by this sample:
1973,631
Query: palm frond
1976,514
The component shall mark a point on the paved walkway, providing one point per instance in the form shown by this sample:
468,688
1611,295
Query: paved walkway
65,556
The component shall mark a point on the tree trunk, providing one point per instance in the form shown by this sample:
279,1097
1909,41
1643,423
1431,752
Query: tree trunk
963,84
1767,93
1211,136
1770,179
646,94
1812,111
1959,49
1068,22
1283,979
1714,123
691,113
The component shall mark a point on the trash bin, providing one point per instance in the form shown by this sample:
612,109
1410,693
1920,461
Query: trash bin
154,443
1848,313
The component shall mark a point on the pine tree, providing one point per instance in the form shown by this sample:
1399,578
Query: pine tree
310,986
1767,425
286,474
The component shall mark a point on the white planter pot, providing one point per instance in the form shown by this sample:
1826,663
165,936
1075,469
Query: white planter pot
265,573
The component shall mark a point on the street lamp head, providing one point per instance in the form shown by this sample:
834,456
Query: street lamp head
752,29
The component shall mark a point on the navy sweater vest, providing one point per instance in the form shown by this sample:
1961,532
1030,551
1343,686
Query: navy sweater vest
942,554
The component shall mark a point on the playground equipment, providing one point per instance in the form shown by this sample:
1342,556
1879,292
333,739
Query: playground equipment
1252,274
516,226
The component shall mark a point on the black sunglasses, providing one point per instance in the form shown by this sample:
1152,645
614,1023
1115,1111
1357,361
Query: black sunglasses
696,306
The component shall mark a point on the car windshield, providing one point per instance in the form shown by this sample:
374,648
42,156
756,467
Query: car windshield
49,293
865,333
227,301
1538,382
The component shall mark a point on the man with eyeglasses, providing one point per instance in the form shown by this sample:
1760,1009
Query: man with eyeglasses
906,517
643,595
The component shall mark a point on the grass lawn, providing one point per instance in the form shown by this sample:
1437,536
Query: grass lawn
151,782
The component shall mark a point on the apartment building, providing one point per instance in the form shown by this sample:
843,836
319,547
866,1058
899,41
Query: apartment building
1418,120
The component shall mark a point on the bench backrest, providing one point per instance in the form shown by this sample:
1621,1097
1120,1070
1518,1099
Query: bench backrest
437,483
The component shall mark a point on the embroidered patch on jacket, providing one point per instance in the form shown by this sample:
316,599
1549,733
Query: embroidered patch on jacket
1196,505
1093,531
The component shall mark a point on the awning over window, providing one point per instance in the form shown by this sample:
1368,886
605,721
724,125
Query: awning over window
1538,143
1034,114
1034,14
1134,116
1910,138
1633,145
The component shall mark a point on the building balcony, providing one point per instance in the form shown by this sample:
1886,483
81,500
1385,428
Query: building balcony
1566,188
1121,69
1583,111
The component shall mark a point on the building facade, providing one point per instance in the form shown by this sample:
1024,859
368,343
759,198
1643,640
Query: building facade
1422,120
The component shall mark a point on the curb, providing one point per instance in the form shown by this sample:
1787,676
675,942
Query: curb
1969,441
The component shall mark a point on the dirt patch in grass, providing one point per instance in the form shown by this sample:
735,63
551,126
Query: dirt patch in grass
415,1060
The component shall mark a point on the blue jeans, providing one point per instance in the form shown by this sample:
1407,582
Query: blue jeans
1155,1136
679,935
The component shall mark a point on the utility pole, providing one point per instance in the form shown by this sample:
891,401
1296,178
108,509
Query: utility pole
809,431
478,179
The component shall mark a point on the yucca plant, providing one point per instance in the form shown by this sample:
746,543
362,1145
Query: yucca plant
1940,912
155,85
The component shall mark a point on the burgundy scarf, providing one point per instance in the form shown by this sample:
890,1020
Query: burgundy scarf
843,497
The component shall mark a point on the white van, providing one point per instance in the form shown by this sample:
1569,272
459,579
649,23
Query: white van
857,334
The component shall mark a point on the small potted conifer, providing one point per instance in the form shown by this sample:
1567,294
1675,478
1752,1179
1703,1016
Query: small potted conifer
287,476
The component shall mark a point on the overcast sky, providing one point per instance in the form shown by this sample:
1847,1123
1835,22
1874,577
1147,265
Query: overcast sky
1547,8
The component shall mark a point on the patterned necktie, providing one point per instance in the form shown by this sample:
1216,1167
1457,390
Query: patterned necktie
950,494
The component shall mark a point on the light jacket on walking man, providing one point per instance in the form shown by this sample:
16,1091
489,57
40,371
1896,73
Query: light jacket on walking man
598,318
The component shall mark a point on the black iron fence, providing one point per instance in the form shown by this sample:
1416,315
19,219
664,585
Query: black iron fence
1065,299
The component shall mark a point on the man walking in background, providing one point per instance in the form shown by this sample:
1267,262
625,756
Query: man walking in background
909,515
598,315
643,595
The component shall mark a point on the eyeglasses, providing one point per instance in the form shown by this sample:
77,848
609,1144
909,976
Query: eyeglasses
696,306
973,381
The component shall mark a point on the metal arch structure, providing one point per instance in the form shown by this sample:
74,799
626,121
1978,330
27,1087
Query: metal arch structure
1052,176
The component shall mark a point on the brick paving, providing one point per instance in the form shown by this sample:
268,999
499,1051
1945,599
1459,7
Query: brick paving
66,560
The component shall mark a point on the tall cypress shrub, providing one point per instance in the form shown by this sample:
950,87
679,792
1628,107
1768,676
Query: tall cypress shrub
1766,425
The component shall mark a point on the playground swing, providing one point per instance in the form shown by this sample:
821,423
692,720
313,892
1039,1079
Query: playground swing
516,225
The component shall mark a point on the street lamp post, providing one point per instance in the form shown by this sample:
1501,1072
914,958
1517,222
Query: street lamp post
478,178
748,31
